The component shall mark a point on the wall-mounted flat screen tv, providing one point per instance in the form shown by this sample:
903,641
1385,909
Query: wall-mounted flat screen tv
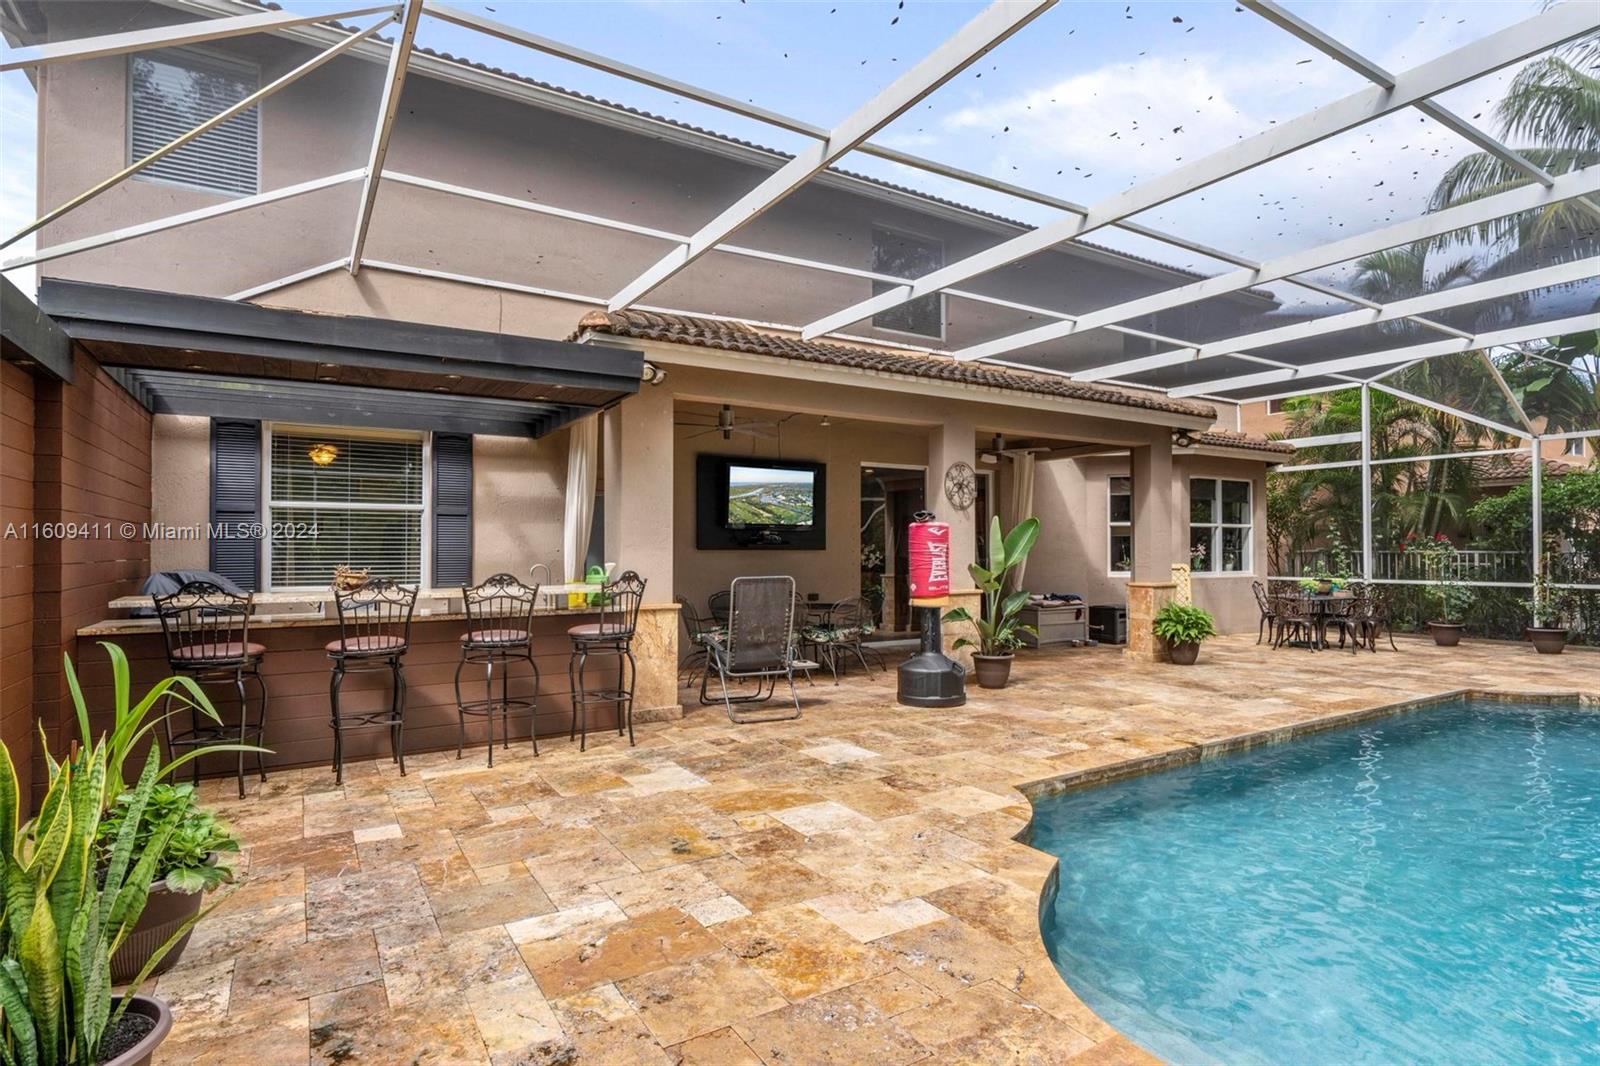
759,503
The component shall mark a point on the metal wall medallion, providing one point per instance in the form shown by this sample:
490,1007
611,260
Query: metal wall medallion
960,485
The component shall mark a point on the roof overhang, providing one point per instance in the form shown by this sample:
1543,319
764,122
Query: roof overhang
666,353
29,337
198,348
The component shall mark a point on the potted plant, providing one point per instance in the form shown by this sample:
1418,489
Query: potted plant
64,918
187,866
1000,627
191,864
1183,626
1548,631
1453,599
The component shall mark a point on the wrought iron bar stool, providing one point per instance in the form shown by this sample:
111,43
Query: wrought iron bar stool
207,635
499,629
374,634
611,635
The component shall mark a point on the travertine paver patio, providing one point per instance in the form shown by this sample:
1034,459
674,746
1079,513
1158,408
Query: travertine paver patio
842,888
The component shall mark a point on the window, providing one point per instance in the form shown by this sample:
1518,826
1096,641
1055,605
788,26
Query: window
170,96
1275,407
343,499
1120,518
905,256
1219,526
1575,446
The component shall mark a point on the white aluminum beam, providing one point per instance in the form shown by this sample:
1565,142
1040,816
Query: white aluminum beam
1393,460
1458,296
285,281
994,25
1537,507
1444,408
115,44
1366,482
186,218
1461,216
1322,440
394,82
1346,56
1544,31
211,123
1514,335
1505,390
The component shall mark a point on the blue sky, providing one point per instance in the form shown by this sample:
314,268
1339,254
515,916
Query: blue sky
1088,100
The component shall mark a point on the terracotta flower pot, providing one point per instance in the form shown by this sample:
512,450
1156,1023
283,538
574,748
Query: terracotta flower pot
993,670
144,1049
1184,653
1547,640
163,913
1446,634
1324,588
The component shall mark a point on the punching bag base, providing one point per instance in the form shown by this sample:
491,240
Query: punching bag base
931,678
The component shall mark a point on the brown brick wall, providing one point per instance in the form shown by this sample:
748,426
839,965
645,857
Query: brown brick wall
16,567
91,468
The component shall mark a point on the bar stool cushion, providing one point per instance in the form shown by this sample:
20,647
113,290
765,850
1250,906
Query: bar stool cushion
596,631
495,636
219,652
368,645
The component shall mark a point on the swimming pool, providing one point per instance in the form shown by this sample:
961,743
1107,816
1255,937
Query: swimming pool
1423,887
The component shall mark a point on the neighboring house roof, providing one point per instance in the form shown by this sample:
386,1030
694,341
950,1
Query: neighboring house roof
1516,469
738,337
1227,438
600,102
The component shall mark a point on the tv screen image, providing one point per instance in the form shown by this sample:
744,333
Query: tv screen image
765,496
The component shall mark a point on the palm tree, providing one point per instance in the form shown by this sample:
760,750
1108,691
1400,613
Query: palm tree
1401,273
1552,107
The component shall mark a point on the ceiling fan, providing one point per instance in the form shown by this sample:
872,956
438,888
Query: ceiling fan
728,425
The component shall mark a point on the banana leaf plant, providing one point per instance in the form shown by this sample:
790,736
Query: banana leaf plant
999,627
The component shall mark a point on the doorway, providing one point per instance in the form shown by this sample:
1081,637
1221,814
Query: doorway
890,496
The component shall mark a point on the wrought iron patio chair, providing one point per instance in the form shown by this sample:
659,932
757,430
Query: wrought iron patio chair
838,637
717,606
758,646
206,629
374,634
619,602
499,629
1294,618
696,627
1269,618
1371,615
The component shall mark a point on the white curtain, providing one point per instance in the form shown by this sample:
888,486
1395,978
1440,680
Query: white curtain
1021,502
583,453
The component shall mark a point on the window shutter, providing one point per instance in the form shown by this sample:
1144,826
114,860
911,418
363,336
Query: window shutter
236,501
452,509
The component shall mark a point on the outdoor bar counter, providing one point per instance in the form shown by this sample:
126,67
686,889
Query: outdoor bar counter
297,671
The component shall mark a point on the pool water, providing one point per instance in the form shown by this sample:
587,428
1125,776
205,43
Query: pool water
1418,888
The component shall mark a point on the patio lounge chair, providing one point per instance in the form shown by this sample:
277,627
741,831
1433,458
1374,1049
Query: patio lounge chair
759,645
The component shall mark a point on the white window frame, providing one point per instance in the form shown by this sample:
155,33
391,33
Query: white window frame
1217,526
177,56
1576,448
872,246
424,570
1112,526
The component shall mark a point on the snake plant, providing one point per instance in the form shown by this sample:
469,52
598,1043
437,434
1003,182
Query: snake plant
68,900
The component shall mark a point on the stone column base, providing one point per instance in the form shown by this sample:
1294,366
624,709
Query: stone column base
655,647
1145,598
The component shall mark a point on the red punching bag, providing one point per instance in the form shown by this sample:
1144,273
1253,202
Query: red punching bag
930,562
